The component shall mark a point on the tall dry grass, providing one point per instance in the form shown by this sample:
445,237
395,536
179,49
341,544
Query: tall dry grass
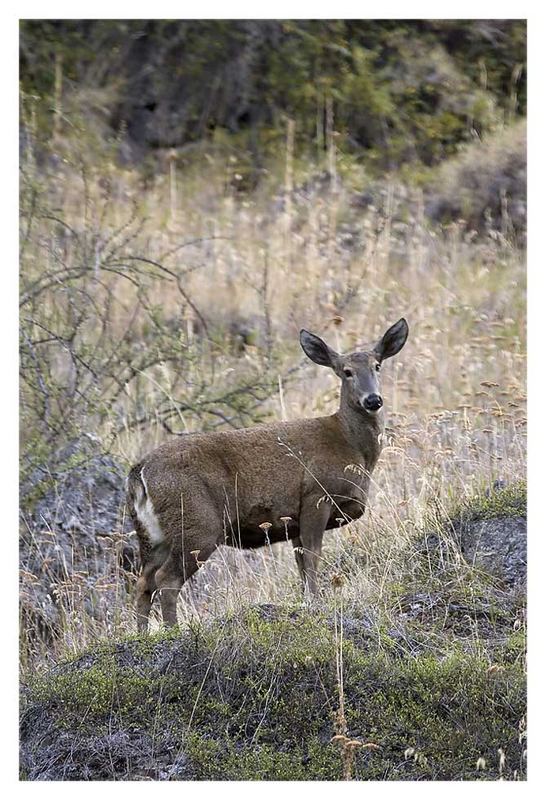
278,259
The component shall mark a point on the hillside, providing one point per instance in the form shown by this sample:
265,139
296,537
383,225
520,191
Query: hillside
424,681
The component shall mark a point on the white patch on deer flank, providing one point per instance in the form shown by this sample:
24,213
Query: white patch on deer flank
145,512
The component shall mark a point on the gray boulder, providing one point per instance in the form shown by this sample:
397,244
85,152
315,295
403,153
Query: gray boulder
498,546
75,541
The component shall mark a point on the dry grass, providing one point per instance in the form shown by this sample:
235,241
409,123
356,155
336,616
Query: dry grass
455,397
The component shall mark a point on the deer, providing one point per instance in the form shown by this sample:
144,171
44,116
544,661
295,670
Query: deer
251,487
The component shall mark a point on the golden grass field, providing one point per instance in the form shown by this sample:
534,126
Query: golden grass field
296,252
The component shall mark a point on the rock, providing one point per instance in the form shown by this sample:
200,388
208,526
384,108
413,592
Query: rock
498,546
75,540
86,497
489,532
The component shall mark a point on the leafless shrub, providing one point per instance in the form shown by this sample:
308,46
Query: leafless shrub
98,344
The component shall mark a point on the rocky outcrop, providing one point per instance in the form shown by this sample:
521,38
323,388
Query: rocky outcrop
74,540
498,546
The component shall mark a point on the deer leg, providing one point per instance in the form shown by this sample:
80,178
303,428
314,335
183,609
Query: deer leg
152,558
168,580
312,524
298,554
144,589
170,577
312,546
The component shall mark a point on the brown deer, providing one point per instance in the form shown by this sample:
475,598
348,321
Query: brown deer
256,486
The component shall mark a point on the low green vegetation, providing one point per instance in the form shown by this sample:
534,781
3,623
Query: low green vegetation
256,697
504,501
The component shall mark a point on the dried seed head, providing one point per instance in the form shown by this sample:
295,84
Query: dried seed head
337,580
195,554
355,468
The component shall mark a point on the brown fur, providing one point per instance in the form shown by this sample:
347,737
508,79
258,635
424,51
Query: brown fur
208,489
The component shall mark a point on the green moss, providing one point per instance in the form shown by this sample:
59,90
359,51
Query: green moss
261,762
254,697
450,711
515,648
89,697
305,639
509,501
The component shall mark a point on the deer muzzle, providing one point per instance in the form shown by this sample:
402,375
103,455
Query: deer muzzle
372,402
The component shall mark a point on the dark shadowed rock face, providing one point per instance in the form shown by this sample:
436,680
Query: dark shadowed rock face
75,538
498,546
490,532
85,493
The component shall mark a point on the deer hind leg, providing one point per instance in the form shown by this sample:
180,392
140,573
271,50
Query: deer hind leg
153,549
145,588
171,576
152,559
168,580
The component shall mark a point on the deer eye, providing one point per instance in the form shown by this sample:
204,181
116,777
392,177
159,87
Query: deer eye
378,367
348,372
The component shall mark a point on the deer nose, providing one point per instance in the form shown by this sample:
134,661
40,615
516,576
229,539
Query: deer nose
373,402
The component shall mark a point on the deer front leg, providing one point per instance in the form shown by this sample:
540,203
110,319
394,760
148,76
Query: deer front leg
308,545
298,553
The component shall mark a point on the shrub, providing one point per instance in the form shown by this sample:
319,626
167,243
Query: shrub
486,185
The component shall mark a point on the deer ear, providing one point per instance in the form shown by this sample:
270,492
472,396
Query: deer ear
317,350
393,340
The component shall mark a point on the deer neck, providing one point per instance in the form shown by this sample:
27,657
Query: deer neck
363,431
